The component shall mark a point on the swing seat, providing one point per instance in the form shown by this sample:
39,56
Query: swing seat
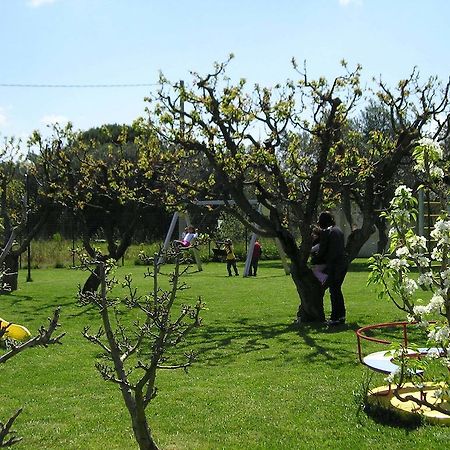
182,245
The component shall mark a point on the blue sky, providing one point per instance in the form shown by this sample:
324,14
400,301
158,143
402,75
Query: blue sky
103,42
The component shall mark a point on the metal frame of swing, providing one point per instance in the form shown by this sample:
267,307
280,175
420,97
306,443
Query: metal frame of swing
185,216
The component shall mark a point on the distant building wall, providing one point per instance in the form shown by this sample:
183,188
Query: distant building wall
370,247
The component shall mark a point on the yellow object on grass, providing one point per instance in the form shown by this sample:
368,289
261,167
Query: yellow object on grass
14,331
384,396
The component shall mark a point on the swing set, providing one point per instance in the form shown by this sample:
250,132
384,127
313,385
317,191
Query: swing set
183,220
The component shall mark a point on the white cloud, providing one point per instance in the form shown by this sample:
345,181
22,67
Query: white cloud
51,119
350,2
38,3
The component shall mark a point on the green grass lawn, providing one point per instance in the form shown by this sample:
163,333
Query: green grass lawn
258,382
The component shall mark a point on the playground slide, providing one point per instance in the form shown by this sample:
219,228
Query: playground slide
14,331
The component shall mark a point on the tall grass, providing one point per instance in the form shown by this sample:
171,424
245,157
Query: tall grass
57,252
259,382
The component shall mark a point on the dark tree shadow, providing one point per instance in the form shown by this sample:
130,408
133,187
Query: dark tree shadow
220,344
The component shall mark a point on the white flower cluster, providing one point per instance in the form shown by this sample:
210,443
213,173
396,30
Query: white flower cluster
445,280
441,232
440,335
397,263
402,252
436,172
403,191
423,261
417,245
402,208
425,280
432,146
408,287
435,305
412,251
428,154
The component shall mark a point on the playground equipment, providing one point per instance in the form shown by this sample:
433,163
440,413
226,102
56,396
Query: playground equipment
400,397
183,220
14,331
180,218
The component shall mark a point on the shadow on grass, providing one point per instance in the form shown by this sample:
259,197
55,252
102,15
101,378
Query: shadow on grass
30,310
389,417
283,342
17,299
90,310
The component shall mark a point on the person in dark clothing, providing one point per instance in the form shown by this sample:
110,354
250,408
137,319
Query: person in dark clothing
332,253
256,255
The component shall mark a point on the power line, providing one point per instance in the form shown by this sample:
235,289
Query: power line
122,85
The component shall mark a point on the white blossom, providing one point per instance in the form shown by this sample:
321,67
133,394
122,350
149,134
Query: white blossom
445,273
442,291
420,310
439,334
403,190
402,251
432,146
417,242
425,280
436,172
441,228
392,232
409,286
397,263
436,254
436,303
423,261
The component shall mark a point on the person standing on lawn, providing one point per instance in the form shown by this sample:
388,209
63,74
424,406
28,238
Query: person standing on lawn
231,258
332,254
256,255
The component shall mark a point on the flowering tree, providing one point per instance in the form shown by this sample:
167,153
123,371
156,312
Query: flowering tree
396,276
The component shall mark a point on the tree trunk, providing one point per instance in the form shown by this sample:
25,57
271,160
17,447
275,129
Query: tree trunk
309,289
382,235
311,294
141,431
11,275
358,238
311,299
93,282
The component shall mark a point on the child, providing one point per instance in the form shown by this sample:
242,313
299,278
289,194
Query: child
187,238
231,258
317,266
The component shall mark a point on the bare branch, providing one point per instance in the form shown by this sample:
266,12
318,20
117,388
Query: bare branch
44,338
5,430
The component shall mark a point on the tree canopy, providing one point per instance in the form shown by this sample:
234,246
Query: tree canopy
291,147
